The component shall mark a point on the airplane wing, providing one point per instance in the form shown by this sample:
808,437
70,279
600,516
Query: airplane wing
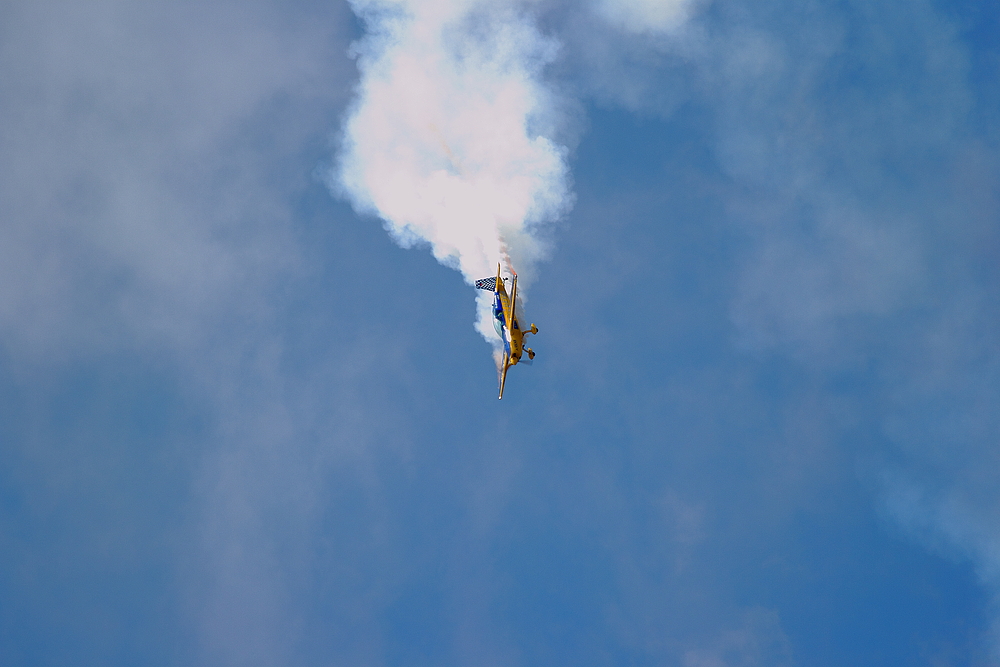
503,372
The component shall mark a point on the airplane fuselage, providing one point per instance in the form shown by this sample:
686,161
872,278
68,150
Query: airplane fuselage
506,324
513,337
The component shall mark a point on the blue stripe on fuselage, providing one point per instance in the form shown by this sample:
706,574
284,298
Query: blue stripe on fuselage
498,314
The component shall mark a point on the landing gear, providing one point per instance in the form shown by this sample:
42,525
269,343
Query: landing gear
531,353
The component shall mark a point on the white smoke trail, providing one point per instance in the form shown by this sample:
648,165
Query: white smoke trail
446,140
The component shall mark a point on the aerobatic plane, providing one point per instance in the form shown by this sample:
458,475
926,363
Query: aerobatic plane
505,322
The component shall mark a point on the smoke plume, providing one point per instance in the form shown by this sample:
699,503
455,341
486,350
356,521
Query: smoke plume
449,139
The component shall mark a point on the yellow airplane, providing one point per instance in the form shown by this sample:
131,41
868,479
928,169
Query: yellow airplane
505,322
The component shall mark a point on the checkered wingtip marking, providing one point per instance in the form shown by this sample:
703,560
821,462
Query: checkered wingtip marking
489,284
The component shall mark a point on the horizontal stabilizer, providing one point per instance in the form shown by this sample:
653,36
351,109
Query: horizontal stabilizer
489,284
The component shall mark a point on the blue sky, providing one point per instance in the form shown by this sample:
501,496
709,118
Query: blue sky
239,425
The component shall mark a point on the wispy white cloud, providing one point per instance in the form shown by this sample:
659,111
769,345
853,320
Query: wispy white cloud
759,642
136,204
646,16
861,172
150,164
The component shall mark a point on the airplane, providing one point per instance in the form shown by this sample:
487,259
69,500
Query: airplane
505,322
